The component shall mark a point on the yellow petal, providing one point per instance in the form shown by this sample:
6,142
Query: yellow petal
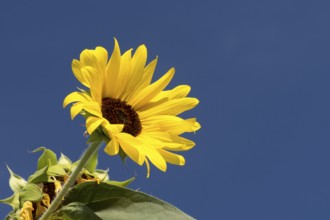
155,158
132,147
180,91
170,124
171,107
88,58
185,144
95,83
96,59
167,141
45,202
144,81
112,71
26,211
149,148
136,73
82,77
112,147
146,94
102,55
172,158
149,72
196,126
148,138
93,108
75,97
124,75
148,168
139,59
76,109
112,129
92,123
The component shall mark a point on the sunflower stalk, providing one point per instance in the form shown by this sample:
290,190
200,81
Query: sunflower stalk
91,150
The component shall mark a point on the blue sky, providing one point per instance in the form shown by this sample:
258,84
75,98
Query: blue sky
259,68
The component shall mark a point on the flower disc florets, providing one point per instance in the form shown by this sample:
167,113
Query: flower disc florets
118,112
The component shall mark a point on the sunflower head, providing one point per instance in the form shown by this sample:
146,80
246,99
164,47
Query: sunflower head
138,118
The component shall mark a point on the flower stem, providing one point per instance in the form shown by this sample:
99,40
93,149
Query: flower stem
92,149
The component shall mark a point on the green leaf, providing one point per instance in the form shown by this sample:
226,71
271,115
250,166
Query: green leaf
48,157
16,182
121,184
39,176
113,202
30,192
76,211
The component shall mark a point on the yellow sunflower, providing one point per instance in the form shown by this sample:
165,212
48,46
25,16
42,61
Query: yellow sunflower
139,117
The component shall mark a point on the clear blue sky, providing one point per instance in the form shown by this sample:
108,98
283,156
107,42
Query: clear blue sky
260,69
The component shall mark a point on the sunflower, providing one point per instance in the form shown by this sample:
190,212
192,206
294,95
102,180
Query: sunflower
138,117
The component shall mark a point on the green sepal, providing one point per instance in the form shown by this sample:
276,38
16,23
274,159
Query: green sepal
122,155
13,201
16,182
57,170
113,202
64,160
92,162
13,215
95,136
39,176
30,192
105,136
102,174
122,183
48,157
75,211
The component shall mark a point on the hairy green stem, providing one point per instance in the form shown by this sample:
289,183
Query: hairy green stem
92,148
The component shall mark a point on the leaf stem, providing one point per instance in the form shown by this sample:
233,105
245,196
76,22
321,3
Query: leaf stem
92,149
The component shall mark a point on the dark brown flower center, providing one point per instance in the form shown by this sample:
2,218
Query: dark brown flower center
118,112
